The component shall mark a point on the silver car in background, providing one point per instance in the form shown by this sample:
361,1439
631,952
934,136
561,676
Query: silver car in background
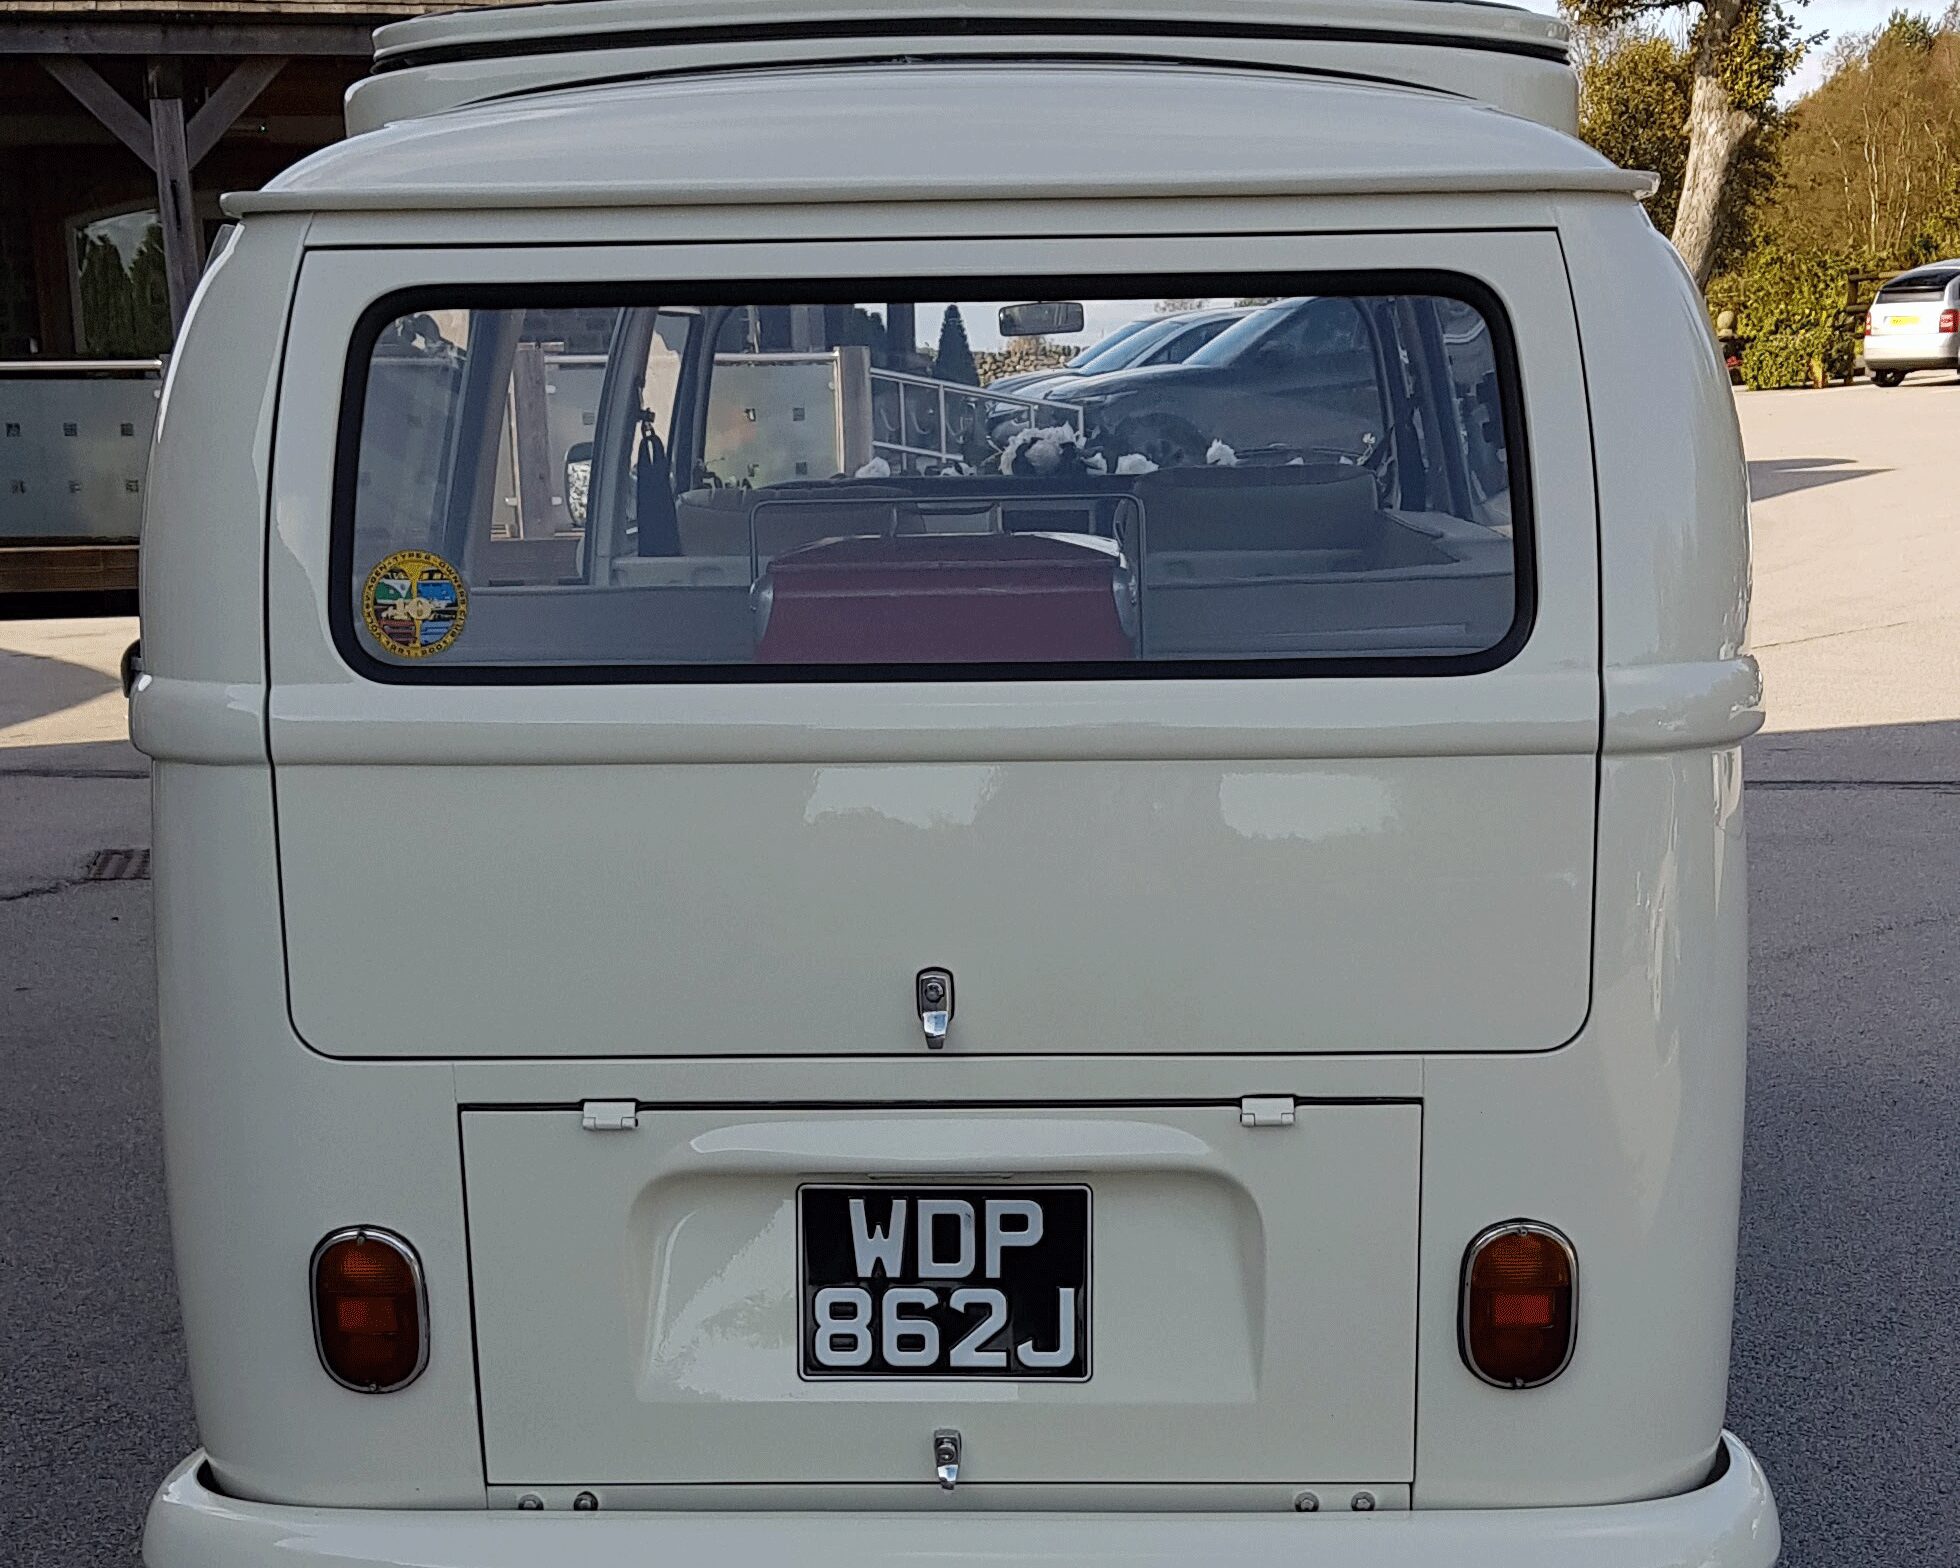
1914,324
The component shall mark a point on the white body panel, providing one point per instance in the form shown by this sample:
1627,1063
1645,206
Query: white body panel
1251,793
1218,132
1595,1084
1289,1367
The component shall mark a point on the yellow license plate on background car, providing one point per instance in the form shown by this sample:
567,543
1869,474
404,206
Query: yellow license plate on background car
1902,321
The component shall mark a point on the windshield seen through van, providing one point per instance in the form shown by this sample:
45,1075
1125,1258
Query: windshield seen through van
932,485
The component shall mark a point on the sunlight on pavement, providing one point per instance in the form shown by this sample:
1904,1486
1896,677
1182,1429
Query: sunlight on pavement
59,682
1857,553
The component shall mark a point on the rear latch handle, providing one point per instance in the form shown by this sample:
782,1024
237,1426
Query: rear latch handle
946,1446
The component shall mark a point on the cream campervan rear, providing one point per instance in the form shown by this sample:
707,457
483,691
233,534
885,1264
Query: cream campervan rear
763,927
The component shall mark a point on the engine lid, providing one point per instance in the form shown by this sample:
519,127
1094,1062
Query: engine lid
703,1297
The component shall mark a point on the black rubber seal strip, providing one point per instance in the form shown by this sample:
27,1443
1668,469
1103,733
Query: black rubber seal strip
950,27
1369,282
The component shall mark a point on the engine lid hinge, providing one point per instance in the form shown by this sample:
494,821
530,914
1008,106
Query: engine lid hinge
610,1115
1267,1110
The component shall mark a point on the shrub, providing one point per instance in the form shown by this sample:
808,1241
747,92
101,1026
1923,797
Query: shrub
1783,290
1790,310
1805,357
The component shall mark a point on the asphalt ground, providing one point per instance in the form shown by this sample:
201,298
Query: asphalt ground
1846,1372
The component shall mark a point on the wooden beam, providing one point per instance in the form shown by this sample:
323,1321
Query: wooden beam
235,94
340,37
183,243
531,444
109,107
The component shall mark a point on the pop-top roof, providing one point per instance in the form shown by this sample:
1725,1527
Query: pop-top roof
875,133
1514,59
502,30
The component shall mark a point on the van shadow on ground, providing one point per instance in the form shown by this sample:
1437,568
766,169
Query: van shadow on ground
32,686
1774,476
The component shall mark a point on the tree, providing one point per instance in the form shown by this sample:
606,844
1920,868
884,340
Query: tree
1635,87
1740,52
1870,156
954,359
125,306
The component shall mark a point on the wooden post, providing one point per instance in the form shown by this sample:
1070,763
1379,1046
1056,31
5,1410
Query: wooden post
530,444
902,335
183,240
805,328
854,430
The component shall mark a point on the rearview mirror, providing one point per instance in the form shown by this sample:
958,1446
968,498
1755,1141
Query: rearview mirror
578,480
1045,318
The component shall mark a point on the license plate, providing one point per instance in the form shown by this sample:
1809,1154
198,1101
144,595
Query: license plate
1900,321
943,1282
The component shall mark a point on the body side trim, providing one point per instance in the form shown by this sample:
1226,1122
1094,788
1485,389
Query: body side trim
1682,707
1058,186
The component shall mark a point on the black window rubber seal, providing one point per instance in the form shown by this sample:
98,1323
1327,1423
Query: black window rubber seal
376,317
471,50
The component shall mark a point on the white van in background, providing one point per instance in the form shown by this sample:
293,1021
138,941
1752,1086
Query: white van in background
757,965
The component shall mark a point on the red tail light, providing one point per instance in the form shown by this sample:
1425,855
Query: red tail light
370,1311
1950,321
1520,1300
1871,322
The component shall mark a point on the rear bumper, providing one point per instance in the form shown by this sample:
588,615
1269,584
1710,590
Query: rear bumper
1911,350
1729,1523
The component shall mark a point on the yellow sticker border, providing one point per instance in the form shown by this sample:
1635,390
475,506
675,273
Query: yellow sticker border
417,561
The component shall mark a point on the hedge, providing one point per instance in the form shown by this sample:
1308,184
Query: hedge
1807,357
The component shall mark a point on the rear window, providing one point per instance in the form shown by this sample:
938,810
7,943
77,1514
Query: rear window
541,487
1926,283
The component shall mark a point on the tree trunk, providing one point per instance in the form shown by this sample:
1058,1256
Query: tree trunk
1716,130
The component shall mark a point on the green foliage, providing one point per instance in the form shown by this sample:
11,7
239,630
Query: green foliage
1762,50
1738,53
1782,290
1790,307
953,361
1871,158
1634,91
1755,44
125,310
1806,358
1909,33
1633,107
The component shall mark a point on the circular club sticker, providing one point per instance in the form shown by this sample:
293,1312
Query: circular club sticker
415,604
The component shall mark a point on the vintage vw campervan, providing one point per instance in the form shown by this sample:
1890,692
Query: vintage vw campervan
772,953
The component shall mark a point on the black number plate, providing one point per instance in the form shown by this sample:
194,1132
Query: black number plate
944,1282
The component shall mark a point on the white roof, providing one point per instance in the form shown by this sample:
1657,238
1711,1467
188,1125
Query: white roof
506,29
940,132
1513,58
